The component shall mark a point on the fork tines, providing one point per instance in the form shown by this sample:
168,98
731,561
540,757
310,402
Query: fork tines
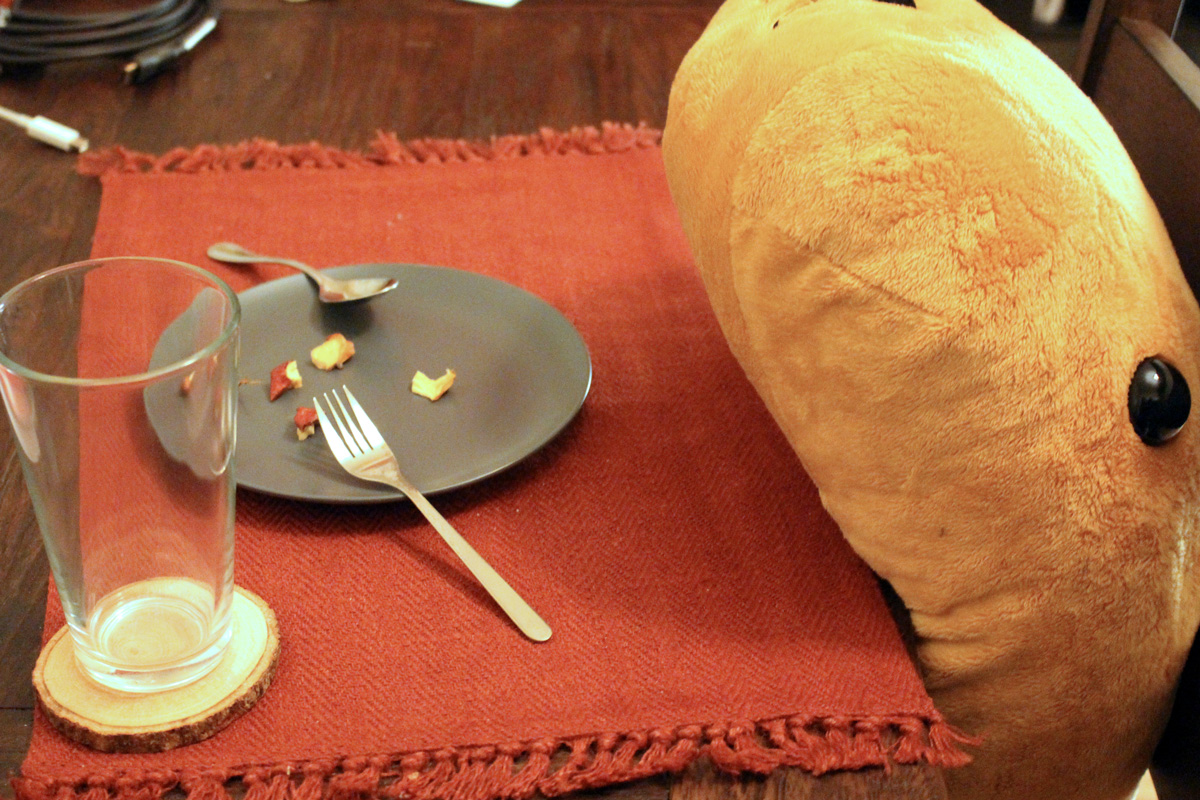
357,433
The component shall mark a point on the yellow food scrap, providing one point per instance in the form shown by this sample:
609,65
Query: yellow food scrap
433,388
292,371
335,351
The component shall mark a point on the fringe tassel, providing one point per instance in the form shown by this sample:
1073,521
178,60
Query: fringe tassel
261,785
95,793
517,771
944,749
385,150
312,784
358,779
205,786
537,766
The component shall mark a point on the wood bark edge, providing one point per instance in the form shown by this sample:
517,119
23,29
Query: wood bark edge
75,724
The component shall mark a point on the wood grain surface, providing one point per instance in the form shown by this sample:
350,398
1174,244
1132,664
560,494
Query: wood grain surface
337,71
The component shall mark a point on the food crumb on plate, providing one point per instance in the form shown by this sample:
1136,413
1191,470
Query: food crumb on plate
331,354
432,388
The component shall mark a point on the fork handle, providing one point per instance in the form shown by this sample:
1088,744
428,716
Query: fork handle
520,612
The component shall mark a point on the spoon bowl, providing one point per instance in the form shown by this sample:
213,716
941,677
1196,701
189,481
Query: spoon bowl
329,289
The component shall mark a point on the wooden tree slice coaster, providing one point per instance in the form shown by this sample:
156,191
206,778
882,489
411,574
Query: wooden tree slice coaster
115,722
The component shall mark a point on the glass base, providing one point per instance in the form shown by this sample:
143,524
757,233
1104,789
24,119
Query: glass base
152,636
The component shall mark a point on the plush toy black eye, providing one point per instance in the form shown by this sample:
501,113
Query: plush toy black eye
1159,401
909,3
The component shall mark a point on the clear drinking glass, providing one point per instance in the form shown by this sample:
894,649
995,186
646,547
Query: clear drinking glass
119,377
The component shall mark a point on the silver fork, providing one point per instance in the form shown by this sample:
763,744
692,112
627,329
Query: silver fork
359,448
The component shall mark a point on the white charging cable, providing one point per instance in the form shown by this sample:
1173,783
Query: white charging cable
47,131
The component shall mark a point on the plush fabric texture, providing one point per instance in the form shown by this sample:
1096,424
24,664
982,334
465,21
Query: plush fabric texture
702,601
939,268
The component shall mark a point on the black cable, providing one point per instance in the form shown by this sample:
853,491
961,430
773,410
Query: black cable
150,36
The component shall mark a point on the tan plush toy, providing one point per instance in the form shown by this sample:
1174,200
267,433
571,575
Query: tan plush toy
937,265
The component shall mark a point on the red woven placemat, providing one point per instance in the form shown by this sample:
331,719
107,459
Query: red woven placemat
702,601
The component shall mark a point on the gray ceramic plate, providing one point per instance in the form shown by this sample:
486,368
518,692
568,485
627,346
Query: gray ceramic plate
523,373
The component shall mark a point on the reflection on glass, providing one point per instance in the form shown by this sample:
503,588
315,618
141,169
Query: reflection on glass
1187,31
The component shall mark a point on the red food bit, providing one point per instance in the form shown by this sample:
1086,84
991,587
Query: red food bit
306,422
305,416
285,376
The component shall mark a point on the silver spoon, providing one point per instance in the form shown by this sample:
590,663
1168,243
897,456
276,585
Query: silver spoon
331,290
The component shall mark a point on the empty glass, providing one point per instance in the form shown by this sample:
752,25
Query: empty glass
120,377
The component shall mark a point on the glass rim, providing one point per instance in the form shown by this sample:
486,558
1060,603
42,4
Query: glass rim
216,344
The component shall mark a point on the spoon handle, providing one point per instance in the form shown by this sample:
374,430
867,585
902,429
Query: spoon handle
236,254
287,262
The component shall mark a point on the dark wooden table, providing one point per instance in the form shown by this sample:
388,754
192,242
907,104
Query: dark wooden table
337,71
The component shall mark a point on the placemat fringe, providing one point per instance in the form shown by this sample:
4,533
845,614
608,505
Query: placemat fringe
518,771
385,150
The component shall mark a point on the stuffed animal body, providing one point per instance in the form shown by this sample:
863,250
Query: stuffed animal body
940,270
